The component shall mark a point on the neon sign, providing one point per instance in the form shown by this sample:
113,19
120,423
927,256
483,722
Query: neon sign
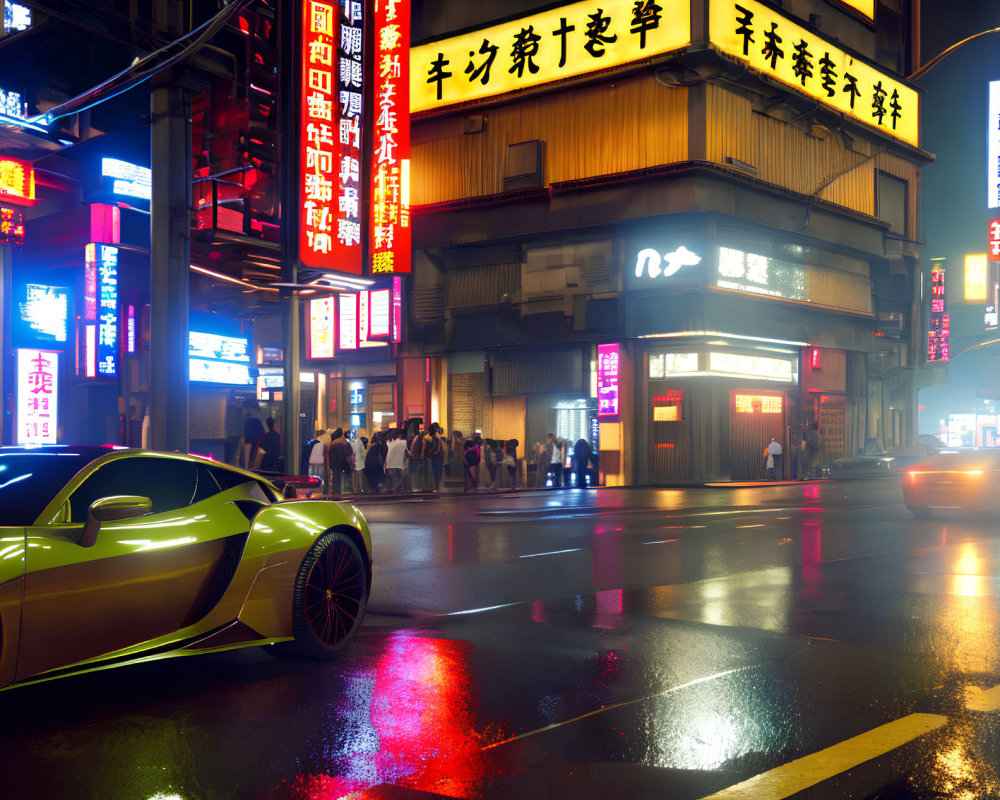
390,180
397,310
993,148
214,358
322,316
330,136
17,181
379,313
11,226
608,358
45,311
758,404
16,17
769,369
128,179
939,329
650,262
107,329
993,235
347,322
37,396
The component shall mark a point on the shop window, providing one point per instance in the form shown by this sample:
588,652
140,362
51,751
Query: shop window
757,404
890,201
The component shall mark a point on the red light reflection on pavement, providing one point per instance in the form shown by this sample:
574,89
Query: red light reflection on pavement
417,730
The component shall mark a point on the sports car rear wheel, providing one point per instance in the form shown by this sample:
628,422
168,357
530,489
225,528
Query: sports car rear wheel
331,592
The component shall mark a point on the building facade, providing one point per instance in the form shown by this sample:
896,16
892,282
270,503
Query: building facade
726,191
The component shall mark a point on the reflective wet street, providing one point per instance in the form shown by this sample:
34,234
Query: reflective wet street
809,640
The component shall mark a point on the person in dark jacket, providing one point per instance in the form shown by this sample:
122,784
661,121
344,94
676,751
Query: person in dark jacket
270,443
340,451
581,462
375,461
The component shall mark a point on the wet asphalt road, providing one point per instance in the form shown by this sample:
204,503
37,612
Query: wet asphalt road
602,644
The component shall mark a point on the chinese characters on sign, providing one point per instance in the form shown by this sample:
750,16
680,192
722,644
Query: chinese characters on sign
993,234
758,274
128,179
13,105
975,277
773,45
607,380
330,151
564,42
17,181
939,330
107,329
757,404
390,180
37,396
11,226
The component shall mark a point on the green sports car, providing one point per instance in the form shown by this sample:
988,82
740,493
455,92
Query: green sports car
110,555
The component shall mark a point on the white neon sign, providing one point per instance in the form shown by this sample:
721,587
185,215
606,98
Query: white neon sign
650,261
130,179
993,148
768,369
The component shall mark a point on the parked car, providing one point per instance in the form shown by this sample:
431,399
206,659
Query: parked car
892,463
109,555
957,479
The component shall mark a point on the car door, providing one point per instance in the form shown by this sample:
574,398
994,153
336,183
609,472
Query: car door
144,577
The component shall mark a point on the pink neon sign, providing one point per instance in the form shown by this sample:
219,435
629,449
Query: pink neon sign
607,380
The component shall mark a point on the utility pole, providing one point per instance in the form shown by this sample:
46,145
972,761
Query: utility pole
170,247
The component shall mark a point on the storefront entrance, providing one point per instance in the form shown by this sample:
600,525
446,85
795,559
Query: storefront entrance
756,417
670,443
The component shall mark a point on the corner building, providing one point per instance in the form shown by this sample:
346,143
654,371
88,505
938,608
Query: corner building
726,190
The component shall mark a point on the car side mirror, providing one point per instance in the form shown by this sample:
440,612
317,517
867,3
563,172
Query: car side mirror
106,509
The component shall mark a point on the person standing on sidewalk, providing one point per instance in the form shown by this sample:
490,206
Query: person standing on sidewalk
471,465
435,451
317,460
395,460
360,448
773,459
339,451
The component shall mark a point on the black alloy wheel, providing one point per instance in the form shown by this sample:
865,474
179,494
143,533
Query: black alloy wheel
331,594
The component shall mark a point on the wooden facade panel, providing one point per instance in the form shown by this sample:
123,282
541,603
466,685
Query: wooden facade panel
788,156
597,130
505,419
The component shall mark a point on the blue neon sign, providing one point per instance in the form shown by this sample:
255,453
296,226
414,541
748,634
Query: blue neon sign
107,300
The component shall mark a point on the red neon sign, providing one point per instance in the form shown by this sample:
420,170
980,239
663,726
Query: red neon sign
993,234
330,136
17,182
390,179
11,226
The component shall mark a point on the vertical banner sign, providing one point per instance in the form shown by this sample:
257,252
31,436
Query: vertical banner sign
379,313
993,148
363,313
993,235
107,330
37,396
390,178
322,313
607,380
397,310
330,135
90,311
939,330
347,322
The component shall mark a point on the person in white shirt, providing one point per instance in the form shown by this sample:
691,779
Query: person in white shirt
395,460
360,448
317,459
773,459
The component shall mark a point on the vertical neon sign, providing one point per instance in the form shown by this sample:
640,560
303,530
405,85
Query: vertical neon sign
322,315
607,380
347,322
390,180
330,136
37,396
397,310
107,330
939,330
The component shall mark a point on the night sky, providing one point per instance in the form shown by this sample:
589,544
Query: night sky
947,21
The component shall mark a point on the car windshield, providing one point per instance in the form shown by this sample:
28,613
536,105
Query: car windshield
29,481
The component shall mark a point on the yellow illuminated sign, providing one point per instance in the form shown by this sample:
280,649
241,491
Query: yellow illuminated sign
975,278
865,8
666,414
772,45
564,42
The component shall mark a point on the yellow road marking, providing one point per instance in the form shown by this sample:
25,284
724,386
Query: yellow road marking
977,699
795,776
